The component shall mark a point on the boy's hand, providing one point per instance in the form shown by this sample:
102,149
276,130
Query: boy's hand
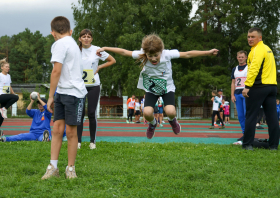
49,104
214,52
98,52
38,95
97,70
212,99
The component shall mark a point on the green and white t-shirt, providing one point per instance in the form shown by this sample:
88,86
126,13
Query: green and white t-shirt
157,79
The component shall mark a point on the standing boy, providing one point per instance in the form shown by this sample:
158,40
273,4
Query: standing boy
69,99
131,108
238,76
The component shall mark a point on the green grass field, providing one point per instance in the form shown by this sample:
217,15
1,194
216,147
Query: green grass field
141,170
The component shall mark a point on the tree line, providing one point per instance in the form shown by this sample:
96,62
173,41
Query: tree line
217,24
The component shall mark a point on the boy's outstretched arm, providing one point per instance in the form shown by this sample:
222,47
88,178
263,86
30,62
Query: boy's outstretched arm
116,50
194,53
55,75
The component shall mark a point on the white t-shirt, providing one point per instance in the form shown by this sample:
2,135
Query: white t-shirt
67,52
5,83
90,63
216,103
137,106
157,79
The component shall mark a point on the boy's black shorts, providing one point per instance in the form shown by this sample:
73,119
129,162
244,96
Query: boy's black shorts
68,108
137,112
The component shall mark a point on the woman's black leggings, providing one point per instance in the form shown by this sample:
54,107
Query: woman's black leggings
92,99
7,100
219,117
130,114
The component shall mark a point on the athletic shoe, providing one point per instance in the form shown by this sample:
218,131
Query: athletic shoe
50,172
151,130
127,122
163,122
131,122
259,127
46,136
211,127
3,112
92,146
237,143
216,125
3,139
64,139
222,127
145,122
228,123
161,125
240,139
79,145
175,126
70,172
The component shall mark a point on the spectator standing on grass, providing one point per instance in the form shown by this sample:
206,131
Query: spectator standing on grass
91,67
131,108
260,89
66,76
259,118
220,92
238,76
40,128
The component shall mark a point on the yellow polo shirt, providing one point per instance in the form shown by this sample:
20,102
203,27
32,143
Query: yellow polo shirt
261,67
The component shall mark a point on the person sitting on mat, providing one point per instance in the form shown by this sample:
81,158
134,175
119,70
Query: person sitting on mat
40,127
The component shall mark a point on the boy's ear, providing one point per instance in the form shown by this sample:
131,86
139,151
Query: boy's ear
53,33
71,31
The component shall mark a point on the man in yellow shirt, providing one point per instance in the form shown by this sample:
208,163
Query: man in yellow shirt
260,89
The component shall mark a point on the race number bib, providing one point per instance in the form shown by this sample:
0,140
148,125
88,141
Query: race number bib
157,86
88,76
6,89
240,82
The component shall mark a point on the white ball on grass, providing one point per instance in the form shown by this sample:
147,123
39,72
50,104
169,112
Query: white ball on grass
34,95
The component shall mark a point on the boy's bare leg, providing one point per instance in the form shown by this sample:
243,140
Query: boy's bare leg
57,133
72,138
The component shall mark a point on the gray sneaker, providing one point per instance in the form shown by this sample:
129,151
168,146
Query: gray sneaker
50,172
70,172
46,136
151,130
176,127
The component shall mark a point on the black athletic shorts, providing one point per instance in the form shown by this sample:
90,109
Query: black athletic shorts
68,108
137,112
226,115
151,99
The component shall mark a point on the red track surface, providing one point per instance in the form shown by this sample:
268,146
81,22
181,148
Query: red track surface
9,123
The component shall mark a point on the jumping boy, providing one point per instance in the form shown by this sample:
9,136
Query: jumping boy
69,99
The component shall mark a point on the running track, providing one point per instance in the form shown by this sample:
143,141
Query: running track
119,130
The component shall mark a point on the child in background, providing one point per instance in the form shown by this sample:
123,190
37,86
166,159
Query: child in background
226,112
156,77
137,111
216,104
278,108
142,108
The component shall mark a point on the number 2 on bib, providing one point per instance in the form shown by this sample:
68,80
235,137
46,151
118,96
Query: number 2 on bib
88,77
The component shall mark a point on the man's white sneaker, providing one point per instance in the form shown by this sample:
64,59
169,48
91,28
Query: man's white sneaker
50,172
70,172
237,143
79,145
3,112
92,146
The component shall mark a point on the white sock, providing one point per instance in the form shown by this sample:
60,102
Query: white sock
214,122
54,163
153,122
170,119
